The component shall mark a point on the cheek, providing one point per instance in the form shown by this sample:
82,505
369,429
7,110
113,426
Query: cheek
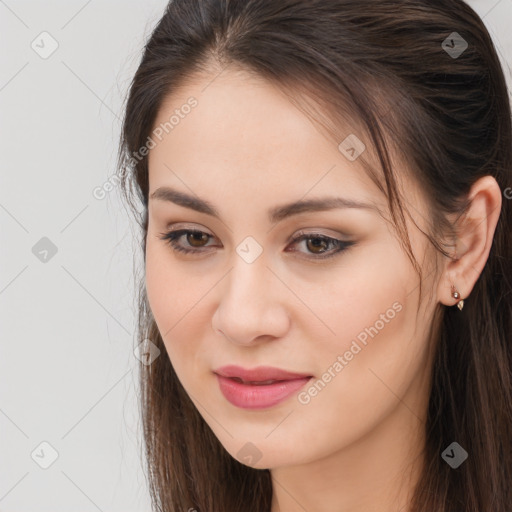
177,297
377,349
358,299
168,295
368,312
159,274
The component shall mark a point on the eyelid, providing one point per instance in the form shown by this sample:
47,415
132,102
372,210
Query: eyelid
175,226
318,232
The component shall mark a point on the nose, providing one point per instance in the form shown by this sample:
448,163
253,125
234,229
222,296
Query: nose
251,305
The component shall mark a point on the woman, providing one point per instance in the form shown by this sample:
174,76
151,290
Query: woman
326,220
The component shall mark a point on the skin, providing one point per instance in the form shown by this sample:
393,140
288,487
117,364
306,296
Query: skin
356,446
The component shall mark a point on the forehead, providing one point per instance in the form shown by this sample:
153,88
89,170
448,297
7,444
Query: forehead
245,133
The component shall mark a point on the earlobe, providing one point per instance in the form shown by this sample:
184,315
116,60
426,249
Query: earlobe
456,295
450,294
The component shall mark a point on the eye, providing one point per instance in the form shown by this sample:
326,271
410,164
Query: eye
316,243
192,235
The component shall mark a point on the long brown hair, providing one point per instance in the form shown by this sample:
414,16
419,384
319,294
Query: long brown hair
388,65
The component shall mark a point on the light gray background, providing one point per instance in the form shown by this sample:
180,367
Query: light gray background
68,371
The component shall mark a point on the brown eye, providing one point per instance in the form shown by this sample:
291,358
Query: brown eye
319,246
195,238
314,244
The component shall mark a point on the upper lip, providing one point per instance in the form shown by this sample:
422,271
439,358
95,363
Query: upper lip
258,374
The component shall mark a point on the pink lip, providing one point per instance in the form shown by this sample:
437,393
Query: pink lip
260,373
258,396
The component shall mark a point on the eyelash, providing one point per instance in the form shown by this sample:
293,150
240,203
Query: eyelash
171,238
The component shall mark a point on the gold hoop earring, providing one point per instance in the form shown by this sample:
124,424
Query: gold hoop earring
456,295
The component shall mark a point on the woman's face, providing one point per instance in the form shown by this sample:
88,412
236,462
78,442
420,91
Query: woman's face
248,295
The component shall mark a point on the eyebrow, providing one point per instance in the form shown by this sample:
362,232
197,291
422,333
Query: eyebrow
275,214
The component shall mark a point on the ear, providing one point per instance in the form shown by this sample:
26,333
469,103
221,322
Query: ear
475,233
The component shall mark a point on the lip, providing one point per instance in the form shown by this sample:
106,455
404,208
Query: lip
258,396
258,374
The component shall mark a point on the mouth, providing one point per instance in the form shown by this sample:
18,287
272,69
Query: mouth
256,382
260,374
260,388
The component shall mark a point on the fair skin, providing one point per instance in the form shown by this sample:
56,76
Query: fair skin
356,445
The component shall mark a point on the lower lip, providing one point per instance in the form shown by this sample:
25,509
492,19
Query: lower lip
252,396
